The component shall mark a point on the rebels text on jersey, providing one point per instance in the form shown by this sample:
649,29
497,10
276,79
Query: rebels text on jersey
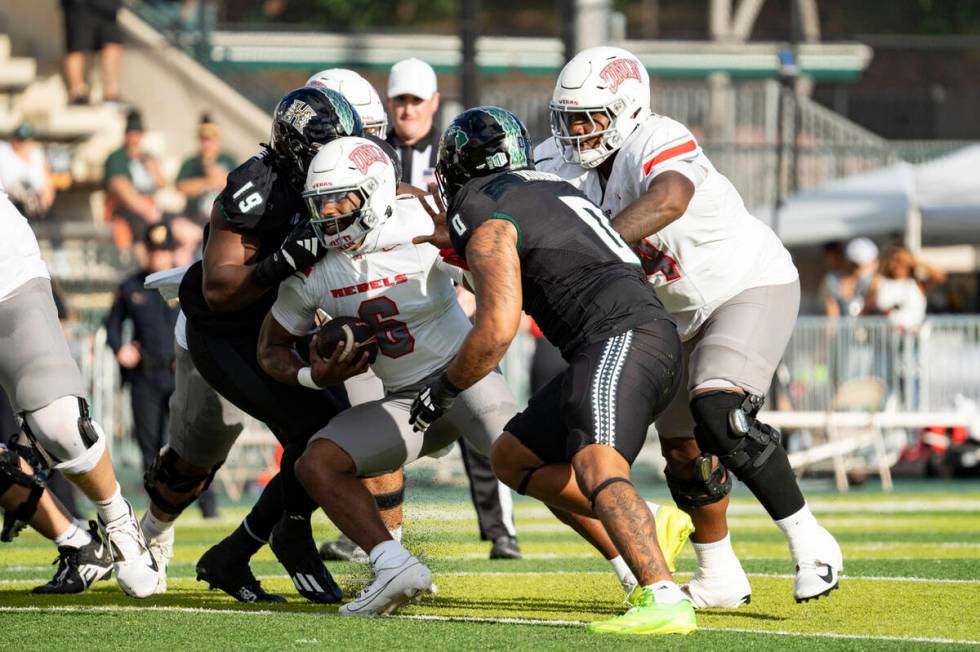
714,251
581,283
404,291
258,201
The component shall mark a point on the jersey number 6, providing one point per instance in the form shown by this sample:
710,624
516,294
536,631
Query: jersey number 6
394,338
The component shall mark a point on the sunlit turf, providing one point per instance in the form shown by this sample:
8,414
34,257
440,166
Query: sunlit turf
912,580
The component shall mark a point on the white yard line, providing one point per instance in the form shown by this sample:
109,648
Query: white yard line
477,619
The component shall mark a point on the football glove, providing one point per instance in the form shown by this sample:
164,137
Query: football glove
431,403
302,249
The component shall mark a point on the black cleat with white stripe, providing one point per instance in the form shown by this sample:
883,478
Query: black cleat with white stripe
80,568
292,542
228,571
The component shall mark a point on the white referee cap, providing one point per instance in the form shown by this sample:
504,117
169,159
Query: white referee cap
412,77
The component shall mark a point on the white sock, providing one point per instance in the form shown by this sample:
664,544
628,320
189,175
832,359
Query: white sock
153,527
75,536
390,551
716,557
654,508
396,534
666,592
798,529
112,508
623,571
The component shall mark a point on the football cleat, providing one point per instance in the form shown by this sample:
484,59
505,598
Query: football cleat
226,570
292,543
649,618
80,568
162,549
674,527
393,587
343,549
505,547
137,571
818,570
728,590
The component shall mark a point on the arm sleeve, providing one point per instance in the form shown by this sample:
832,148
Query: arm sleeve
294,308
114,322
671,147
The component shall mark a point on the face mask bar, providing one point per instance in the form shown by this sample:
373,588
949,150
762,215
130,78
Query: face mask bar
570,145
377,128
346,229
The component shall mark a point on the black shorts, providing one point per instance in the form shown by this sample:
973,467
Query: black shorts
89,26
610,394
229,365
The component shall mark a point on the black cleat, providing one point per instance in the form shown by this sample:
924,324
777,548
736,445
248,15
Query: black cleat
505,547
292,542
222,569
80,568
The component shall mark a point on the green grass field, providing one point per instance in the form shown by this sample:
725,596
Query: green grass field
911,581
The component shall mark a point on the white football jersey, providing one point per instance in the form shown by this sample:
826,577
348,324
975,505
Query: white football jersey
714,251
404,291
20,257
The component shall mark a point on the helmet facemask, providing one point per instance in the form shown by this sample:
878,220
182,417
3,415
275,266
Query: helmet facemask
342,217
609,138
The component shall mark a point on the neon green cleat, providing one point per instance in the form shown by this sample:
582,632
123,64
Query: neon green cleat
649,618
674,527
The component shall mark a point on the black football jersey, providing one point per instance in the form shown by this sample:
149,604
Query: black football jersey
256,200
581,282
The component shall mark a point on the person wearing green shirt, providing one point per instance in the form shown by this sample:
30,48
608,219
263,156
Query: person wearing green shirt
203,175
132,176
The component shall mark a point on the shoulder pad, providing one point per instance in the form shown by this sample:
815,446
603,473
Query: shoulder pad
243,201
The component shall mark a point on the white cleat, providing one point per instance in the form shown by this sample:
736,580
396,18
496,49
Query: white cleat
137,571
392,588
818,569
162,549
728,590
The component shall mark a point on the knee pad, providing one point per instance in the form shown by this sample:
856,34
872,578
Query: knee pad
164,472
708,486
64,436
14,520
390,500
726,426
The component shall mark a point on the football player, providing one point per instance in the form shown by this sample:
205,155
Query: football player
405,293
734,292
83,557
44,385
533,241
258,235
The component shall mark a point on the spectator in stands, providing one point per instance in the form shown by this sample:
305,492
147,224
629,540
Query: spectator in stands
132,176
90,26
203,175
899,291
843,290
24,173
413,100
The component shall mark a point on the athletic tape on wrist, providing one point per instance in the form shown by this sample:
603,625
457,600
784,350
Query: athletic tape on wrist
305,378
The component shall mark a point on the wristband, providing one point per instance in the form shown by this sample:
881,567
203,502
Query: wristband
305,378
270,271
448,388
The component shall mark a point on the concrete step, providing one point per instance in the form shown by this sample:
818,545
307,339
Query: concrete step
17,73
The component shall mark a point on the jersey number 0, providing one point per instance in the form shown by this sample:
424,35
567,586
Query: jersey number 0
598,222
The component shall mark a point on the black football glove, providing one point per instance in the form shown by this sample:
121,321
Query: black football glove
301,249
431,403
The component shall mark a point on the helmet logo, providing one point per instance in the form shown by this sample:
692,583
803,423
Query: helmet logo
619,70
364,155
514,135
460,138
299,115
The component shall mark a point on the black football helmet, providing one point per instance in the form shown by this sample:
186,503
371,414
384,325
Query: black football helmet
305,119
479,142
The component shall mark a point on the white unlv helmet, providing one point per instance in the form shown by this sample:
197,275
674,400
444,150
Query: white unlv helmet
599,80
350,190
359,92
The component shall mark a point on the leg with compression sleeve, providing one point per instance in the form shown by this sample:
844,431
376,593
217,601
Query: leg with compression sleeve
727,427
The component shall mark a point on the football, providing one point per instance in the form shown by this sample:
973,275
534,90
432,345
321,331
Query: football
349,331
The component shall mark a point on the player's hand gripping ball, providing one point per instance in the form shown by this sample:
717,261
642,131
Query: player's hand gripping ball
349,331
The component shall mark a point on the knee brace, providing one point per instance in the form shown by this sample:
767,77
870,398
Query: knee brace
64,436
16,519
164,472
726,426
390,500
708,486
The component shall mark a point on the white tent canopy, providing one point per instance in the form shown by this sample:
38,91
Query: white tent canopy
938,200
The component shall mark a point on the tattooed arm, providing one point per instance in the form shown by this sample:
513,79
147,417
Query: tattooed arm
664,201
492,256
